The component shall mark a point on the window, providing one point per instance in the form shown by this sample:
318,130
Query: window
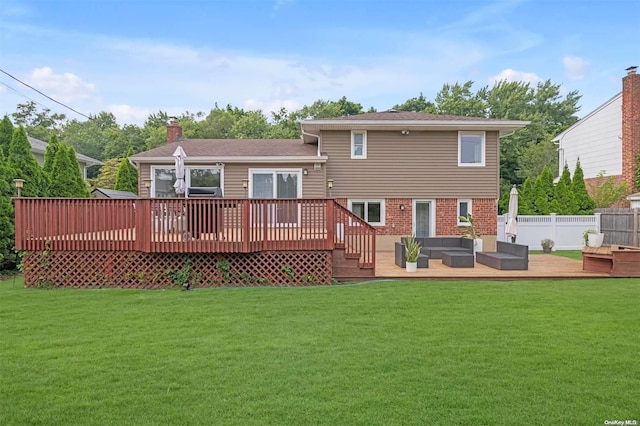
471,148
464,208
358,144
164,178
275,183
370,211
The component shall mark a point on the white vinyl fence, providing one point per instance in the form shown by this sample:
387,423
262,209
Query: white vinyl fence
565,231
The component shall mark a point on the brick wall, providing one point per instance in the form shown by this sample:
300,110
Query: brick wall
484,211
630,125
397,221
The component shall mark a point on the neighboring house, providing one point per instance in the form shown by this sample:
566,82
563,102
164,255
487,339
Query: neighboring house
112,193
607,139
402,172
39,148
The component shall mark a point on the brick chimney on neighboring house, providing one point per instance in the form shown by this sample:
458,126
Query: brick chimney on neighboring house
630,125
174,130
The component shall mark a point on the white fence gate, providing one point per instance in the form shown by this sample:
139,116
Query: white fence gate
565,231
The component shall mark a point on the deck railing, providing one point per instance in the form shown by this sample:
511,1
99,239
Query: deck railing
190,225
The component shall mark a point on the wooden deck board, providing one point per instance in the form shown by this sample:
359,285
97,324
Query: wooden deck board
541,266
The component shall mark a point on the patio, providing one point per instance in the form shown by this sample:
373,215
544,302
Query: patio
541,266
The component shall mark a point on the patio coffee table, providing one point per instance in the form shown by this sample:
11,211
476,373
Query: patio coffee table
457,260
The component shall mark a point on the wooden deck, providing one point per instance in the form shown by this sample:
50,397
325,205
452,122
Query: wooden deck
541,266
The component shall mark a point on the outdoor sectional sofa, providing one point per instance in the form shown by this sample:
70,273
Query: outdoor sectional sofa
508,256
435,246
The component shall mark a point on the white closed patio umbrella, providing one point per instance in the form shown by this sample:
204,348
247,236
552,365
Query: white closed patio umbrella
179,155
511,230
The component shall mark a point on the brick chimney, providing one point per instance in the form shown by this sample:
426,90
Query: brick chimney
630,125
174,130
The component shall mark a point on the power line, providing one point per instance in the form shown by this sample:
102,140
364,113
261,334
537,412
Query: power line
46,96
22,94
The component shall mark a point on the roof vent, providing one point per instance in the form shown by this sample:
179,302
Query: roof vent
632,69
392,110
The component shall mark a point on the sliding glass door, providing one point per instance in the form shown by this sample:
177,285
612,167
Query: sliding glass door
277,184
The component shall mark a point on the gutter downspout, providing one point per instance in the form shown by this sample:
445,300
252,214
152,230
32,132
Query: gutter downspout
316,136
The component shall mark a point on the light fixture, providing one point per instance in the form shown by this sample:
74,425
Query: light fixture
401,206
147,183
305,172
405,132
245,183
19,185
330,183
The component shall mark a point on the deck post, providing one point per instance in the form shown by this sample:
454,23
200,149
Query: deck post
246,226
331,224
143,225
19,223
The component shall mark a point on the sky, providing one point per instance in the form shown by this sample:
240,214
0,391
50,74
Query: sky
137,57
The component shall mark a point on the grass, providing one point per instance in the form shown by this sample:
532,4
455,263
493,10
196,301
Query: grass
481,353
571,254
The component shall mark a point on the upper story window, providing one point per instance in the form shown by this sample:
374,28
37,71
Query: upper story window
471,148
358,144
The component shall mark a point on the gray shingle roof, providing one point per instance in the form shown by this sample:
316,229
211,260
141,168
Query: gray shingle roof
234,148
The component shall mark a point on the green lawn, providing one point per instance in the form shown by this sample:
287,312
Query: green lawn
389,352
571,254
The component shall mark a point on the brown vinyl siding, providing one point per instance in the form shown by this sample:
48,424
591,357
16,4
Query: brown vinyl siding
422,164
313,185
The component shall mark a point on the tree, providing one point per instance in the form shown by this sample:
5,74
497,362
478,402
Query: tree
25,166
328,109
458,99
284,125
564,201
584,202
219,122
543,191
127,177
66,180
7,229
535,157
252,125
606,191
417,104
6,132
38,124
526,199
107,175
548,112
50,154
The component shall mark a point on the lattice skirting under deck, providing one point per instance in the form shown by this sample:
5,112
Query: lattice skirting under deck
98,269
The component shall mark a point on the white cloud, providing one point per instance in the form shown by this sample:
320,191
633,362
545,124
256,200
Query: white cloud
64,87
267,107
127,114
513,75
575,67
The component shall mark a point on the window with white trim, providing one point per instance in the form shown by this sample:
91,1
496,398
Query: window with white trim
464,208
358,144
371,211
163,179
471,148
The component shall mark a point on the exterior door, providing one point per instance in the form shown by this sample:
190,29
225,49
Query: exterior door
422,218
278,184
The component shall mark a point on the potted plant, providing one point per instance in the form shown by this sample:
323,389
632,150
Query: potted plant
412,249
547,244
468,230
592,238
